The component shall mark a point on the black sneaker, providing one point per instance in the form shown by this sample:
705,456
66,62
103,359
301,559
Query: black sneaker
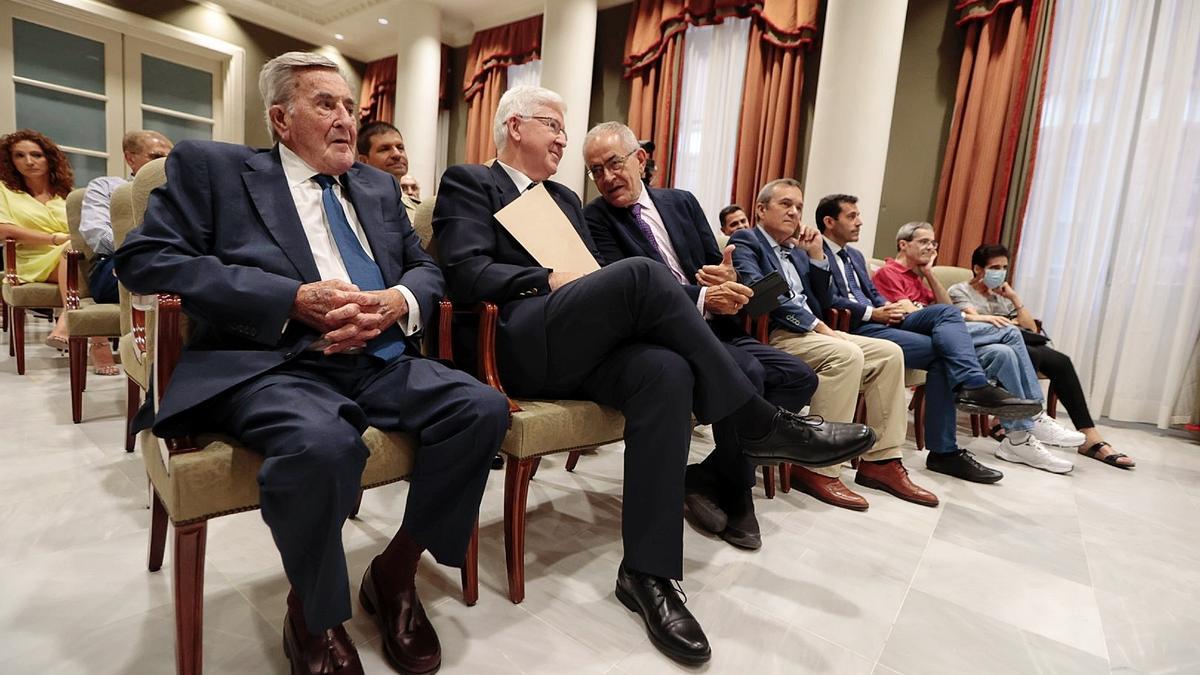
994,400
961,464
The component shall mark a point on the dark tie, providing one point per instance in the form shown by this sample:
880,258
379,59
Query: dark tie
636,210
856,291
363,271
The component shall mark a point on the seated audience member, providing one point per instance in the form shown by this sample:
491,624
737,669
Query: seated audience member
934,339
843,361
306,288
988,293
381,145
411,188
35,179
999,345
632,220
628,336
733,218
95,223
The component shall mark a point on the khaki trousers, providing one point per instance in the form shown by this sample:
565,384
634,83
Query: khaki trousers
845,366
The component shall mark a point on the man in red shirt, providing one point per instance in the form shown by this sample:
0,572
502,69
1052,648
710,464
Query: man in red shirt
905,276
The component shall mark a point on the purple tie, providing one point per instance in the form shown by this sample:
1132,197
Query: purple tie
636,209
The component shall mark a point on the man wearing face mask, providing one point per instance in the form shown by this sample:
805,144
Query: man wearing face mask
998,343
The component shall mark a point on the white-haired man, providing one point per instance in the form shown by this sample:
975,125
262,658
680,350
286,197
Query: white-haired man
305,284
626,336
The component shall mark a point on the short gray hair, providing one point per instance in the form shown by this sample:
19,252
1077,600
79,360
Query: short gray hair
522,101
277,80
629,140
134,141
768,190
909,230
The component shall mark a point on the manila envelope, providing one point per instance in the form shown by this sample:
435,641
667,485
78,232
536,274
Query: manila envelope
539,225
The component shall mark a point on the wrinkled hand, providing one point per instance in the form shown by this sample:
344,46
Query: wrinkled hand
810,241
713,275
727,298
997,321
316,300
358,325
888,314
559,279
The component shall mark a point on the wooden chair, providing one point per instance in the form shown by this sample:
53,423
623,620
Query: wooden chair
18,297
196,479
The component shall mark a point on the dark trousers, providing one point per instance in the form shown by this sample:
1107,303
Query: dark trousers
935,339
1058,367
101,282
307,418
628,336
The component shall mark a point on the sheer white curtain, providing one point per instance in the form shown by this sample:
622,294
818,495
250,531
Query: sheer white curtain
714,67
1110,252
526,73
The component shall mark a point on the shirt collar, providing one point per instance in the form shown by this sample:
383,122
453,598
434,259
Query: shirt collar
832,245
775,246
644,199
519,179
296,170
898,266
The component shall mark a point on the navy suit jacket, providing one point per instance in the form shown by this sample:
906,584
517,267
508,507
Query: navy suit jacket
618,237
755,258
841,294
224,234
483,262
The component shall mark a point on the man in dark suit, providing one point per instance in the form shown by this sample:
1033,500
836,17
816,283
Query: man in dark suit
631,220
307,289
934,339
626,336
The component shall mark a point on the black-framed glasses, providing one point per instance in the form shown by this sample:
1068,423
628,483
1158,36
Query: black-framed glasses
613,164
551,123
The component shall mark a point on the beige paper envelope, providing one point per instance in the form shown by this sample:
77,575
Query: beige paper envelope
538,224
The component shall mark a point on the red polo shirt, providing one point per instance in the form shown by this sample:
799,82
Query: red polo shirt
895,281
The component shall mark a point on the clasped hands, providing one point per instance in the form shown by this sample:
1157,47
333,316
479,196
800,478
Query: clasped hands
346,317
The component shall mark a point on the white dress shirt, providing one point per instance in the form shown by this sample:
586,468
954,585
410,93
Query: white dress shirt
841,265
306,194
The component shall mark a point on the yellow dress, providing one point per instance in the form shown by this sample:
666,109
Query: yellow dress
35,262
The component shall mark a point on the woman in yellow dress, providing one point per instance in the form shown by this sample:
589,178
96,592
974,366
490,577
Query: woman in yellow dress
35,178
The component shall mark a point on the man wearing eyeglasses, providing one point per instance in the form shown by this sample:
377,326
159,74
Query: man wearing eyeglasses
630,220
627,336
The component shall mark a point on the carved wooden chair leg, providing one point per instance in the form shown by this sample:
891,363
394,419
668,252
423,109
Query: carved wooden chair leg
133,400
785,477
516,496
77,356
573,459
537,461
470,569
16,346
918,408
768,473
158,532
189,597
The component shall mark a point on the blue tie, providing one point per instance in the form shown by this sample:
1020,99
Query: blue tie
363,271
856,291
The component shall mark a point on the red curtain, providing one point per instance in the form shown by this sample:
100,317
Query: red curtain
491,52
377,98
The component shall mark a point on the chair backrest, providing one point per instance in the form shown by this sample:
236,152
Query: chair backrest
74,215
423,224
950,275
149,177
120,211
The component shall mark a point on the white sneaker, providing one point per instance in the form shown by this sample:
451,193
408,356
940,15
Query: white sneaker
1047,430
1033,453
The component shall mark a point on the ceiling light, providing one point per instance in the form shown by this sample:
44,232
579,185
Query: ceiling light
339,36
383,21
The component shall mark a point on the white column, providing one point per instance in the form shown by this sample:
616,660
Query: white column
568,44
418,78
856,89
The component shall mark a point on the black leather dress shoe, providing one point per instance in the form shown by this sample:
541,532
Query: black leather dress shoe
995,400
807,441
742,530
330,653
702,499
409,641
671,627
961,464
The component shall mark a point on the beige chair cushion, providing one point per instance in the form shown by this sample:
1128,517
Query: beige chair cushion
950,275
36,294
150,176
222,478
547,427
913,377
131,361
94,320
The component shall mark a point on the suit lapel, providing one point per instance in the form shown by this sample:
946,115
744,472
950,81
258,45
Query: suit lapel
835,267
504,185
272,198
668,211
769,250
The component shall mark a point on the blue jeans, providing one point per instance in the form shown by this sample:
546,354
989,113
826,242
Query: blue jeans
1004,358
935,339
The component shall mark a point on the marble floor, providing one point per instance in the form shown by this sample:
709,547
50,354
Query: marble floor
1094,572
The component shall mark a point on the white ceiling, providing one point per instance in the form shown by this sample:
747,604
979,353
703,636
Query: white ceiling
317,21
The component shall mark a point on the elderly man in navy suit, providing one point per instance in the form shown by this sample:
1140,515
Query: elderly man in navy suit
627,336
307,289
630,219
844,362
934,339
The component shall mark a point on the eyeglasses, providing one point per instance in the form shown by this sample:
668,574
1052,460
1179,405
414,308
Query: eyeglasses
615,164
927,243
551,123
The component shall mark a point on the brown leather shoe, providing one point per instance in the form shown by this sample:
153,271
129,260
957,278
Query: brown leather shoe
891,476
330,653
410,643
828,489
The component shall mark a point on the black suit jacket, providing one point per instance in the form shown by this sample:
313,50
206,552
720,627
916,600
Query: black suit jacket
483,262
224,234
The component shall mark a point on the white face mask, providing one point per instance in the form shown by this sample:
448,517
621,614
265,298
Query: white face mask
994,279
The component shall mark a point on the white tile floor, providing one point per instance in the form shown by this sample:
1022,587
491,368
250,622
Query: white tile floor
1094,572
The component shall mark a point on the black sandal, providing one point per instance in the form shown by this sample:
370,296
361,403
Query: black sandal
997,432
1107,459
